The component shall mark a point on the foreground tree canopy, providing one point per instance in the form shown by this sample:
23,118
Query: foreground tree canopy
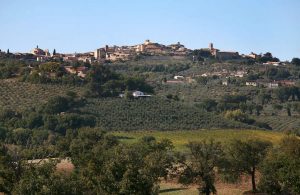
102,166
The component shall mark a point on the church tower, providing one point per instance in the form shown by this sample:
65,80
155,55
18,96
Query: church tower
211,46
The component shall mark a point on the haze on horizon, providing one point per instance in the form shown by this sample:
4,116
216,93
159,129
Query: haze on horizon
240,25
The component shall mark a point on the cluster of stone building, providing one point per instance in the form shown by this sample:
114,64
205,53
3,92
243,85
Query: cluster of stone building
229,55
271,84
266,83
44,55
225,73
108,53
222,55
115,53
124,53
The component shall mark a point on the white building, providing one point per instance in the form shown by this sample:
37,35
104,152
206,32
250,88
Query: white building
178,77
225,83
138,94
251,83
273,85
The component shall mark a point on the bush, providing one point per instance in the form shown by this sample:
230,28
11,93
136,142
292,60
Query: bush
56,105
238,115
262,125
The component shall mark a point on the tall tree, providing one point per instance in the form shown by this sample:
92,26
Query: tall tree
244,157
54,52
205,157
289,109
258,109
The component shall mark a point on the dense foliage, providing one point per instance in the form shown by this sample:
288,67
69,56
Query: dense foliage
281,168
103,166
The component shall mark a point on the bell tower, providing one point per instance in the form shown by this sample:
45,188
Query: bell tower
211,46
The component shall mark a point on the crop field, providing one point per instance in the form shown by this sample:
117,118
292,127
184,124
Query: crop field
197,93
282,123
22,95
153,113
181,138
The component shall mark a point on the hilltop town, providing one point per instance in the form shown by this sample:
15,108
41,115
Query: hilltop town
125,53
79,63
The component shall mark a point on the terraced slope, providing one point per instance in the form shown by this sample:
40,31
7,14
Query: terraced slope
282,123
153,114
21,95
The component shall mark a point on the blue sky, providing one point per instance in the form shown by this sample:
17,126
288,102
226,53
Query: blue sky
84,25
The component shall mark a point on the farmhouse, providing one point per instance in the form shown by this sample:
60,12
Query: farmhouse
225,83
138,94
179,77
251,83
273,85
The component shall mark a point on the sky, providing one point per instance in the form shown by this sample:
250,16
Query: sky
84,25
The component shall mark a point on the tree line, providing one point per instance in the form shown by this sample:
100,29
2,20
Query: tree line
103,165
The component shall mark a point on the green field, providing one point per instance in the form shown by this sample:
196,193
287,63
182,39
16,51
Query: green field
181,138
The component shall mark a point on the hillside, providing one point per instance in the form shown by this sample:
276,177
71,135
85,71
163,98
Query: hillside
21,95
153,114
186,94
49,116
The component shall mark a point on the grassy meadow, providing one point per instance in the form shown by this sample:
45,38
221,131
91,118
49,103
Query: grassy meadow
168,188
181,138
